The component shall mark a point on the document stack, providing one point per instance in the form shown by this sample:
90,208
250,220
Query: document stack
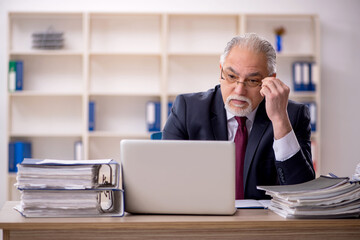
49,39
64,188
356,176
324,197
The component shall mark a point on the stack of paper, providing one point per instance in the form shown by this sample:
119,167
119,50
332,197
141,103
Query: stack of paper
324,197
57,188
252,203
356,176
43,176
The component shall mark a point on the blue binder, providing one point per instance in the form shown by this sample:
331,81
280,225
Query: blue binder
312,109
303,76
153,116
17,152
91,116
19,75
169,107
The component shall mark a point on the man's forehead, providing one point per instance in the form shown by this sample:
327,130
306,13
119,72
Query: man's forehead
247,73
246,57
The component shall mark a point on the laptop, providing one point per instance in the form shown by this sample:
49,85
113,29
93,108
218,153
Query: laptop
178,177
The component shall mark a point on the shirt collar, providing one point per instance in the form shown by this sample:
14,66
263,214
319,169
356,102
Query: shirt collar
250,116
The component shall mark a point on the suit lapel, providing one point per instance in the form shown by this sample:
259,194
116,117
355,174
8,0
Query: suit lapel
261,123
218,117
219,126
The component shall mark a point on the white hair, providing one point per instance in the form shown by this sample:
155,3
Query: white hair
253,42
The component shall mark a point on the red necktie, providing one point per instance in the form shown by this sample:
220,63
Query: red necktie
241,138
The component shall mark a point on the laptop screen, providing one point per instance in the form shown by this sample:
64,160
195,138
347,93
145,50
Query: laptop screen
178,177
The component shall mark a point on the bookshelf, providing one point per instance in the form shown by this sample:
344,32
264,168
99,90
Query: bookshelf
123,60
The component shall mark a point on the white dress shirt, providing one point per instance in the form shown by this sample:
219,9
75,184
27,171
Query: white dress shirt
284,148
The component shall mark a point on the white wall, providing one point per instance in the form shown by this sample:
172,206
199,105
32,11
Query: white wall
340,34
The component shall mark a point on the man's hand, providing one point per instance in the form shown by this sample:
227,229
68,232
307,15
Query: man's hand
276,94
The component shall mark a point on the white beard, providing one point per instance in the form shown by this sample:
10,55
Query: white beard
237,110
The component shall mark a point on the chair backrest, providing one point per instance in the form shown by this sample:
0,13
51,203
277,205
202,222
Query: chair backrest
156,136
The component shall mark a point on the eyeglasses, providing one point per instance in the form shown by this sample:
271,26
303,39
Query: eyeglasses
232,78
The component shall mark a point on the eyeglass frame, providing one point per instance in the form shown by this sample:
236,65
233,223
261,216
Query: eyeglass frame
245,82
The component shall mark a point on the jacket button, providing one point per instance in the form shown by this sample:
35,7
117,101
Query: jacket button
281,175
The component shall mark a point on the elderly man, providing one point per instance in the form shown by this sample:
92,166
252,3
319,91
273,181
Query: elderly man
251,108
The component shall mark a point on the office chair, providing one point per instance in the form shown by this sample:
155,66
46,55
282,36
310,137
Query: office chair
156,136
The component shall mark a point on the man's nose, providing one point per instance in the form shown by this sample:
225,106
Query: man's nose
240,87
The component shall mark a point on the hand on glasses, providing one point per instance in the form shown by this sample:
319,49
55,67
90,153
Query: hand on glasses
276,94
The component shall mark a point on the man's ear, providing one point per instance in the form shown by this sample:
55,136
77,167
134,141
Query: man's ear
274,75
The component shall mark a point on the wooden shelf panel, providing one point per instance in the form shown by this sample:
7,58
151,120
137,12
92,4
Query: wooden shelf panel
303,95
194,54
109,146
126,53
192,73
121,114
52,73
56,146
140,33
138,93
22,26
314,135
298,28
46,134
123,135
29,93
125,74
55,115
47,53
200,33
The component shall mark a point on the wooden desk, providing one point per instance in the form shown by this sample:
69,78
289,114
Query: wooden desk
245,224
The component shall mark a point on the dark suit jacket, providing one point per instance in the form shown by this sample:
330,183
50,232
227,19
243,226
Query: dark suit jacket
202,116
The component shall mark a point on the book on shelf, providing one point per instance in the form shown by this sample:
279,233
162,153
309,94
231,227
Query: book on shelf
153,115
19,75
78,150
70,188
169,107
312,109
91,116
18,150
304,76
15,76
12,76
323,197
